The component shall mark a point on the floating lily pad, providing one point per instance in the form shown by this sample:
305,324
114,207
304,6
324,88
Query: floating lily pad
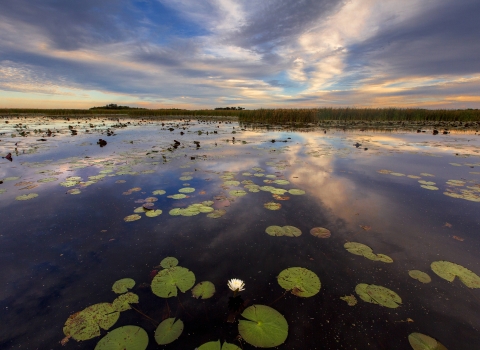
275,231
123,285
203,290
132,217
122,302
74,191
296,192
2,190
231,183
217,214
124,338
428,183
11,178
272,206
320,232
397,174
265,327
153,213
365,251
158,192
186,190
419,275
292,231
140,210
282,182
169,262
420,341
299,281
26,197
168,331
47,179
378,295
448,270
237,193
431,188
166,282
86,324
350,299
215,345
185,178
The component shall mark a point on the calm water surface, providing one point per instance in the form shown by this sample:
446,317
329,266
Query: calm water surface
61,252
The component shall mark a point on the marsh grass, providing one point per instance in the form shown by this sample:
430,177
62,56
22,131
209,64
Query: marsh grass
274,116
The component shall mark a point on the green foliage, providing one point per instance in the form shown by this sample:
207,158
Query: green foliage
203,290
124,338
264,328
448,270
420,341
168,331
123,285
215,345
378,295
299,281
166,282
419,275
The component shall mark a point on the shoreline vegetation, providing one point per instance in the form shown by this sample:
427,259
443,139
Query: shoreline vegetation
315,116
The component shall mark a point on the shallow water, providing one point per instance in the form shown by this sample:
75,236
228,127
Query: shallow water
62,252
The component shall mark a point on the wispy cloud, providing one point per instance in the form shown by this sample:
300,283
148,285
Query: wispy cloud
257,54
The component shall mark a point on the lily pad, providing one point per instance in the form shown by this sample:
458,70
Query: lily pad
237,193
203,290
122,302
169,262
231,183
124,338
275,231
419,275
185,178
123,285
350,299
320,232
299,281
26,197
153,213
272,206
74,191
292,231
282,182
86,324
186,190
178,196
158,192
448,270
215,345
265,327
133,217
217,214
420,341
166,282
365,251
296,192
378,295
168,331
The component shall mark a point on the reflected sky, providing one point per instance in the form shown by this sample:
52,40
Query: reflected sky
62,252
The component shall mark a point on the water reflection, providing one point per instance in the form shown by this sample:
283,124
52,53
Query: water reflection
62,252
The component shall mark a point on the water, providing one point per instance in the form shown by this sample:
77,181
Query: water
62,252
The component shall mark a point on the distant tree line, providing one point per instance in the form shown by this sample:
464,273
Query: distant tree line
229,108
115,106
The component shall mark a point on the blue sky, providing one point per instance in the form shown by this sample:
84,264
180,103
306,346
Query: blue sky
215,53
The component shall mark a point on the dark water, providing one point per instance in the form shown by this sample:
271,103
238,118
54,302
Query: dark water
61,252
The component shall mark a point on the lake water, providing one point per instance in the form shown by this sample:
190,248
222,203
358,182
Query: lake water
62,251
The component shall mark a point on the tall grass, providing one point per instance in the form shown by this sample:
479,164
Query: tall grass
274,116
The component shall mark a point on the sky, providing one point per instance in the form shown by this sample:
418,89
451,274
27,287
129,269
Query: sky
202,54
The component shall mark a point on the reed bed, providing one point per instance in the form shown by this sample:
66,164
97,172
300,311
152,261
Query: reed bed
273,116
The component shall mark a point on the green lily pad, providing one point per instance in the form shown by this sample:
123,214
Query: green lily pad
123,285
292,231
231,183
178,196
208,203
166,282
448,270
175,211
185,178
215,345
47,179
237,193
378,295
203,290
275,230
272,206
365,251
350,299
186,190
299,281
217,214
169,262
86,324
431,188
2,190
122,302
320,232
296,192
158,192
419,275
265,327
133,217
205,209
74,191
153,213
26,197
139,210
124,338
168,331
282,182
420,341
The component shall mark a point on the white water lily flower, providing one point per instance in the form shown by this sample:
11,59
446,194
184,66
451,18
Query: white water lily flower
236,285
